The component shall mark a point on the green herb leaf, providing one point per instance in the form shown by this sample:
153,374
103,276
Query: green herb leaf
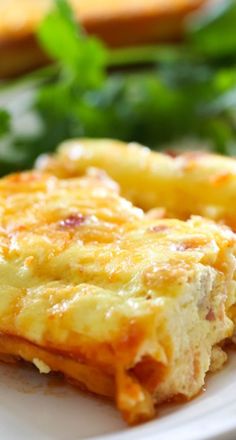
59,35
213,33
5,122
184,97
83,59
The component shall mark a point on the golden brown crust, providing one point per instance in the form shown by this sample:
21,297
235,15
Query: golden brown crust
86,376
20,56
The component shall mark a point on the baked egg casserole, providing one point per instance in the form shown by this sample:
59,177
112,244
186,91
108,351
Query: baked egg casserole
124,304
197,182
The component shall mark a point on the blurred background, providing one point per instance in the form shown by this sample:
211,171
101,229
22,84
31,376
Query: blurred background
158,72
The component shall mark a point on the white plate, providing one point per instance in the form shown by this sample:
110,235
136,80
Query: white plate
37,407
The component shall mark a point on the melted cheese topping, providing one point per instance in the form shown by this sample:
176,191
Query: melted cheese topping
194,183
89,277
78,259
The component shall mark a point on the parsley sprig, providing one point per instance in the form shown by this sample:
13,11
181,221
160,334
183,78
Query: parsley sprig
177,95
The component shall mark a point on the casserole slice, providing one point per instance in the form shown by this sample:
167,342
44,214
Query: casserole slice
130,308
117,23
190,183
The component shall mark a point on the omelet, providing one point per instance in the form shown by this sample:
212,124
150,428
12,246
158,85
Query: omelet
124,305
117,23
191,183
